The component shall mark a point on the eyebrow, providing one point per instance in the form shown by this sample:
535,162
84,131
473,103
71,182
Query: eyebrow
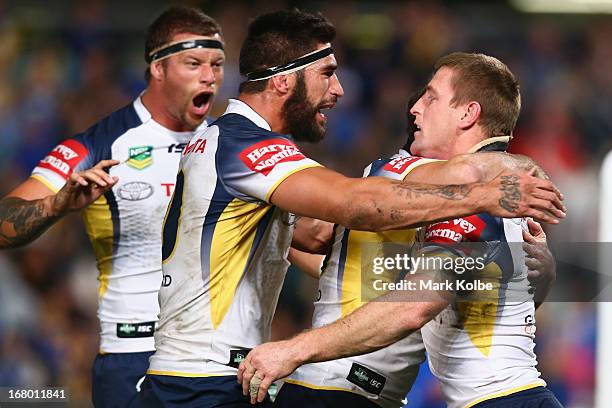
188,56
431,90
330,66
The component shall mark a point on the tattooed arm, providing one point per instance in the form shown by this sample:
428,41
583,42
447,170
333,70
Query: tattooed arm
376,203
22,221
472,168
32,208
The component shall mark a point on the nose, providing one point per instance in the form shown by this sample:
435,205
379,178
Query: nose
336,87
207,75
416,108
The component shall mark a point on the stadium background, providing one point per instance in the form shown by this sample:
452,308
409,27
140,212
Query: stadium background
64,65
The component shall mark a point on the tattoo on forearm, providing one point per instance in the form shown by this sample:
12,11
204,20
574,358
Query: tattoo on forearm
510,187
452,192
21,221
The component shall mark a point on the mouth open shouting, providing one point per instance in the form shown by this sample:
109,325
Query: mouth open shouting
201,103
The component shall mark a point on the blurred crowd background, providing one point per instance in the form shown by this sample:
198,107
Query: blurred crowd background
64,65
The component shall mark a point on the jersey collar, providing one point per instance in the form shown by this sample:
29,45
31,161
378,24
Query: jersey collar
241,108
141,110
492,144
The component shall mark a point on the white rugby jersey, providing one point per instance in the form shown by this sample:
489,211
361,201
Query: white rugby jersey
124,225
384,376
481,349
224,246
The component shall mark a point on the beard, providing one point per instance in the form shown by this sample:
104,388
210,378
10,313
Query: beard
300,115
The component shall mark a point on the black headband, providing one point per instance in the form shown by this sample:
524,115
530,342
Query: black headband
183,46
293,65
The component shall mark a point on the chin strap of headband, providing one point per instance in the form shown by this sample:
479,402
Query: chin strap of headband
181,46
295,65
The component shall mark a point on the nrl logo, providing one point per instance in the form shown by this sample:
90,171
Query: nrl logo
239,357
140,157
127,328
361,375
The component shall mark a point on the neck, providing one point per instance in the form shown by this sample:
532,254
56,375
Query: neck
268,107
466,141
153,100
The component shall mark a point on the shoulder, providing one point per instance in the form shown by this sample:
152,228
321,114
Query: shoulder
102,134
257,148
396,167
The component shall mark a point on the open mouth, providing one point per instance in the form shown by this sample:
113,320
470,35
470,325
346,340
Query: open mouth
417,128
324,108
201,102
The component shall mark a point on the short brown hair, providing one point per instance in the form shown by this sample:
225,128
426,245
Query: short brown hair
279,37
488,81
177,20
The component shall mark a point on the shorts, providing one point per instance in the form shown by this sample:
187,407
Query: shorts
539,397
171,391
115,377
297,396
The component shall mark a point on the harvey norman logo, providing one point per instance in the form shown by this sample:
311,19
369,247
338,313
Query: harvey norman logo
401,164
264,156
470,228
64,157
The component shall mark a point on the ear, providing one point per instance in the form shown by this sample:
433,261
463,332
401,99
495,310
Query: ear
471,113
157,70
282,83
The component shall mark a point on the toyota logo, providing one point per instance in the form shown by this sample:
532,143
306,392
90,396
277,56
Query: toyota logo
135,191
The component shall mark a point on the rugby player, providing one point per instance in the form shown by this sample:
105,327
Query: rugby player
480,351
144,142
387,375
230,222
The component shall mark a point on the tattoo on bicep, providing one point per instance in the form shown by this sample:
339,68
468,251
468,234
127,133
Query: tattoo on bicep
21,221
449,192
510,187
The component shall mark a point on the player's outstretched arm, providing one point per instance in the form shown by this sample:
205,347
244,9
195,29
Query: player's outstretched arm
371,327
377,204
472,168
31,208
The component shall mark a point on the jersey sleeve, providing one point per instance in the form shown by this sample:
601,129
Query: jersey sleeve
459,237
479,237
68,156
466,229
252,168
